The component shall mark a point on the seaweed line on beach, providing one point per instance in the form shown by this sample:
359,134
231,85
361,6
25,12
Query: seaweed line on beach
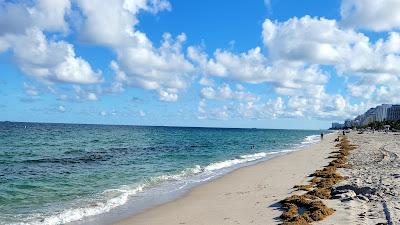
309,207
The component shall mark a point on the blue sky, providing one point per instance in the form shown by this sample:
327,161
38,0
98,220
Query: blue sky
266,64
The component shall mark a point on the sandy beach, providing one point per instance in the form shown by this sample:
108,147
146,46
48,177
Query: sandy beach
166,112
251,195
370,195
248,195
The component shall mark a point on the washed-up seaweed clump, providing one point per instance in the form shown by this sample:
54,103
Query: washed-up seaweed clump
305,187
307,208
299,209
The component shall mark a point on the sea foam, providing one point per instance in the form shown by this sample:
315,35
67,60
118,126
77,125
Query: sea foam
121,196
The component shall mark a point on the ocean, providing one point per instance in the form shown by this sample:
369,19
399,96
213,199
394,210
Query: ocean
60,173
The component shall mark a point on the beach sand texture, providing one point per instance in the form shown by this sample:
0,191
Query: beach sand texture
370,195
246,196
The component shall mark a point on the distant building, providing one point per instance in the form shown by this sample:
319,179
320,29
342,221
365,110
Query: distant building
337,126
358,119
369,117
348,123
378,114
381,112
393,113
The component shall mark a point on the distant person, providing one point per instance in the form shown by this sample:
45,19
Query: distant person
344,133
322,136
337,139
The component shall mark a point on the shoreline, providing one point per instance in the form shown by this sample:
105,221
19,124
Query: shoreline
226,200
144,201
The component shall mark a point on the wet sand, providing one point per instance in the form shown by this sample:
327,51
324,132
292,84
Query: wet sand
249,195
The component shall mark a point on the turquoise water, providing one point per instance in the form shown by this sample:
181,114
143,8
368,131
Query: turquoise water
58,173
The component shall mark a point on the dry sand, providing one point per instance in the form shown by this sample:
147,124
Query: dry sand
371,194
248,195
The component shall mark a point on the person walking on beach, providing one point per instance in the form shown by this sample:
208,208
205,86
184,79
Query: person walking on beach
322,135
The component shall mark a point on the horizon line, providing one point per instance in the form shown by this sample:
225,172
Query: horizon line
177,126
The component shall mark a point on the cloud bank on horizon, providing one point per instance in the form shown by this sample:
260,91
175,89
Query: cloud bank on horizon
293,73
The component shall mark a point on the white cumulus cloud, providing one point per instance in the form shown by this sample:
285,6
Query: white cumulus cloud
22,30
377,15
139,63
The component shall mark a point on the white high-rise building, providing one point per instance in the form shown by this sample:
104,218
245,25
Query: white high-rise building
378,114
369,117
394,113
381,112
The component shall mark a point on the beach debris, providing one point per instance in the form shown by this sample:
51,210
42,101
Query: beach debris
322,193
307,208
305,187
301,210
362,198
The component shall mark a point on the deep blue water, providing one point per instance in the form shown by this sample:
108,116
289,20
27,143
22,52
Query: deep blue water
57,173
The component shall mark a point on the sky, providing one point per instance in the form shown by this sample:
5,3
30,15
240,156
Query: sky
294,64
